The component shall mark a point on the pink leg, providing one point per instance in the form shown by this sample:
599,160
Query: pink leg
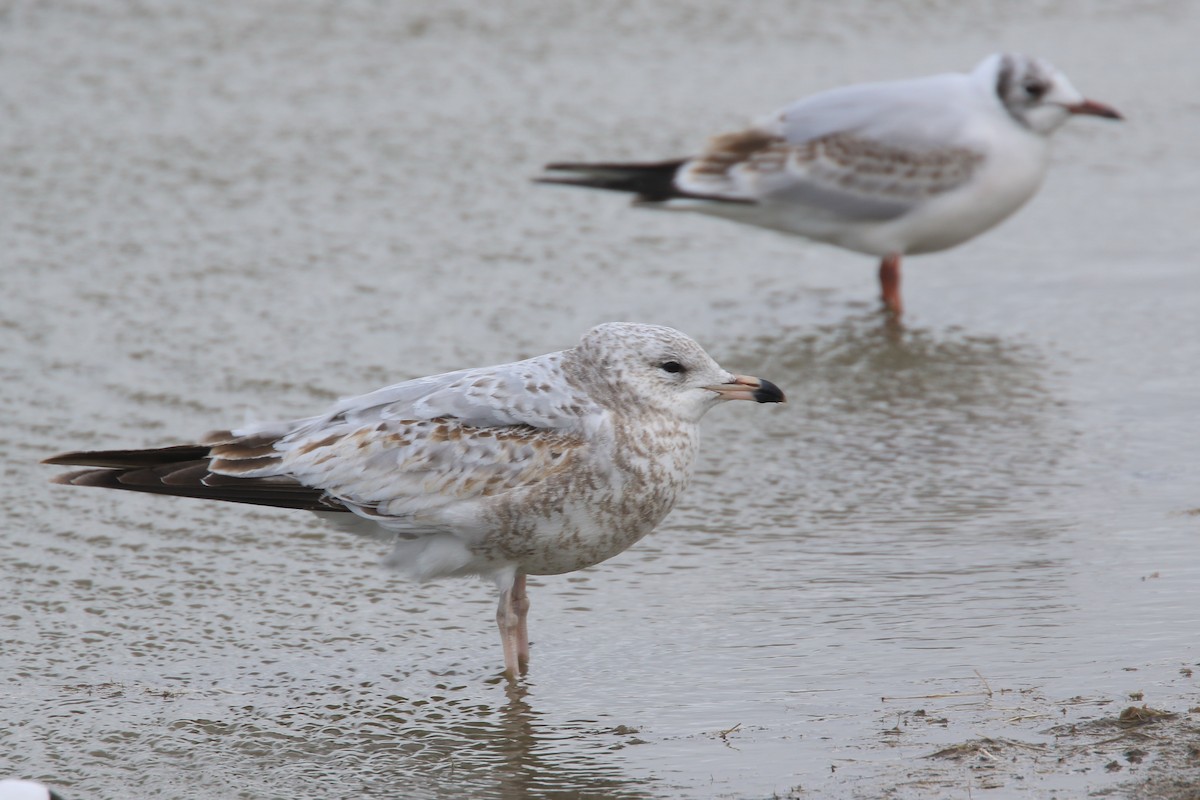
521,603
889,282
510,618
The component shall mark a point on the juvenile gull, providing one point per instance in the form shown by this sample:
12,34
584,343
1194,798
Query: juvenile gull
538,467
887,169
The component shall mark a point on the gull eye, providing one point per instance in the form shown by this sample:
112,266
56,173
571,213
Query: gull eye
671,366
1035,89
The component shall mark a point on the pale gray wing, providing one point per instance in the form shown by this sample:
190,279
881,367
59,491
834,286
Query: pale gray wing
921,114
532,392
863,153
407,455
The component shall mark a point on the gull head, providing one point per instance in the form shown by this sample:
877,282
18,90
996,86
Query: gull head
1035,93
635,368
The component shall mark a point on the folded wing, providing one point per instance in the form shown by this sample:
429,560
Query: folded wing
401,456
839,176
863,153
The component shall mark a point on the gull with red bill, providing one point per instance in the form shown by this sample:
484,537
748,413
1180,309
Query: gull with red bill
537,467
889,169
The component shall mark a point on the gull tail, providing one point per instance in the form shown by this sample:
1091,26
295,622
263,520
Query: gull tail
187,471
652,183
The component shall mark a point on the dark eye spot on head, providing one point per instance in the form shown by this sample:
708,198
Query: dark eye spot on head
1004,78
1034,89
672,366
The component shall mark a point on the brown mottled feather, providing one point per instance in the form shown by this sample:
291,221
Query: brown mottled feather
235,448
242,465
838,163
728,150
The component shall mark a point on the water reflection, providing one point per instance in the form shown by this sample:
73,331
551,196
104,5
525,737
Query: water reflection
884,424
453,742
907,500
534,766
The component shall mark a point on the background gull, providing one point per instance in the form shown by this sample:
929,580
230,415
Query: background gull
14,789
912,166
539,467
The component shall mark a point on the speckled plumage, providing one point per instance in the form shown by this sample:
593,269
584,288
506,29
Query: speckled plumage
542,466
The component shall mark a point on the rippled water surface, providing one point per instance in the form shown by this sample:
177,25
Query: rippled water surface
220,210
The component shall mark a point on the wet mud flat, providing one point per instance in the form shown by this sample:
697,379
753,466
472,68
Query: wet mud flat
1105,747
983,741
1159,750
1003,742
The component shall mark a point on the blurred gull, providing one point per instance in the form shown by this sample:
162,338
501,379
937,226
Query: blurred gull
887,169
539,467
26,790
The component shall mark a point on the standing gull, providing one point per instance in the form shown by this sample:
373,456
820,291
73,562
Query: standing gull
538,467
887,169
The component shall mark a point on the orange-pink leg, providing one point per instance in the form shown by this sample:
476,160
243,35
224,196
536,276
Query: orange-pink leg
889,282
514,632
521,603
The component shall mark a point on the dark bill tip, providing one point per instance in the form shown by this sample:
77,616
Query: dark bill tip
768,393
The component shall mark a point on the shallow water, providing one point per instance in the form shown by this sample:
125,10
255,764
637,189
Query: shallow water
219,210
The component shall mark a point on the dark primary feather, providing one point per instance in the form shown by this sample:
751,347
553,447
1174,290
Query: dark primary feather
183,471
652,182
130,458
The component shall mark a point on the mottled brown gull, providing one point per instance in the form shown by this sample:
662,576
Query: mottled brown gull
538,467
889,169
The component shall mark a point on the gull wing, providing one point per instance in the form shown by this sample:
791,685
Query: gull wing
868,153
838,177
402,456
917,115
